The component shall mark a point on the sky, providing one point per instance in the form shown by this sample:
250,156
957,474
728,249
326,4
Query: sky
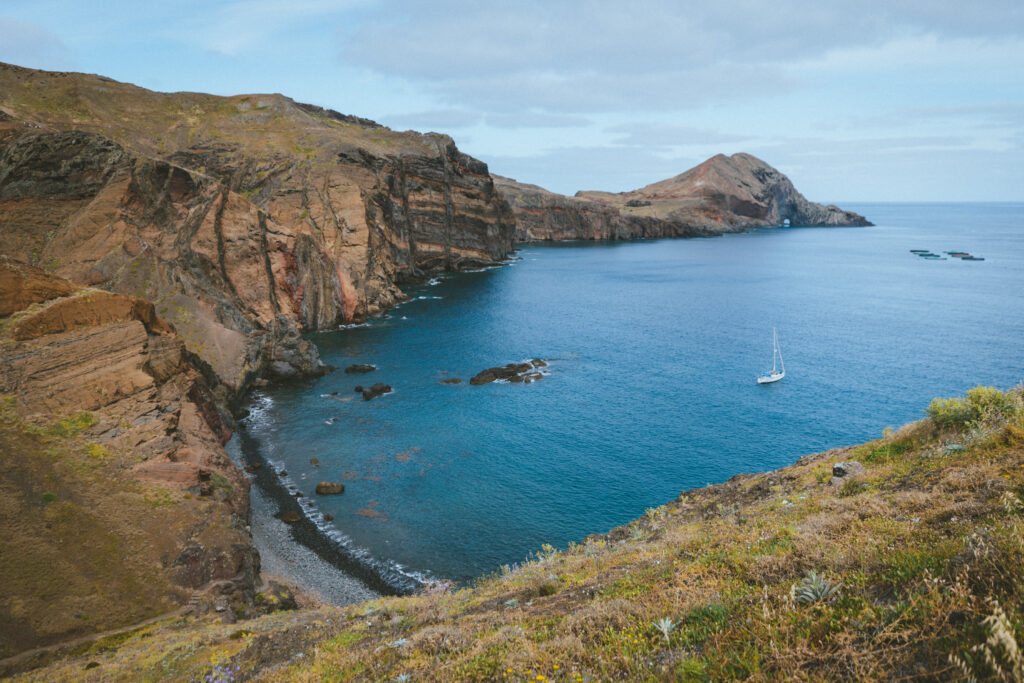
876,100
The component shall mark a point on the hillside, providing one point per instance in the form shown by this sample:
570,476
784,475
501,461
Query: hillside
244,219
119,502
723,194
910,568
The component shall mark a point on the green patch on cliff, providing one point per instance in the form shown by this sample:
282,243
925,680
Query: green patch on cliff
72,558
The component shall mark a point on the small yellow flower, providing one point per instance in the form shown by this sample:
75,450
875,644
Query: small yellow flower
556,666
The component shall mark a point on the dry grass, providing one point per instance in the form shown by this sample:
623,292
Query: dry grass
922,550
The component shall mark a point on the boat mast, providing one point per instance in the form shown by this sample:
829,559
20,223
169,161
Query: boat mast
775,348
779,349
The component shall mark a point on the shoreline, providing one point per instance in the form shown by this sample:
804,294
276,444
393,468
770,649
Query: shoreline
300,552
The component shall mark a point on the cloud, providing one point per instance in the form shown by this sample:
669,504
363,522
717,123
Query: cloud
579,56
670,135
27,44
536,120
613,169
237,27
437,119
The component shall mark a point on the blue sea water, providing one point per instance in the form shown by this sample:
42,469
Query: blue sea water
653,347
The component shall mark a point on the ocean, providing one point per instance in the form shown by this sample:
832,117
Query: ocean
653,348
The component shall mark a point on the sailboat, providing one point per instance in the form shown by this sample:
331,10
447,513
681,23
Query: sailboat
778,370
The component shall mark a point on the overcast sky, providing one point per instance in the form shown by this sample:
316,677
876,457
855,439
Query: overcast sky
876,100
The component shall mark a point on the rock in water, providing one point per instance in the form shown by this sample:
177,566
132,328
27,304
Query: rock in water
451,380
329,488
359,369
291,517
513,372
378,389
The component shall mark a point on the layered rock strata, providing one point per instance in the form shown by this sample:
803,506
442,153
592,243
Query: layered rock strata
148,474
246,219
723,194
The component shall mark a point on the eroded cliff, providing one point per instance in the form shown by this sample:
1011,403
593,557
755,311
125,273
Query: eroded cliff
245,219
119,502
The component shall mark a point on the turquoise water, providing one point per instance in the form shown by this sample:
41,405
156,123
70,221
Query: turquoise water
653,349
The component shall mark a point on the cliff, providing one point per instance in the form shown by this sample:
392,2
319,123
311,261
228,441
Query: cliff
544,215
244,219
897,559
119,502
723,194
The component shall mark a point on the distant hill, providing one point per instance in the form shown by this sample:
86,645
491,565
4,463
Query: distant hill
723,194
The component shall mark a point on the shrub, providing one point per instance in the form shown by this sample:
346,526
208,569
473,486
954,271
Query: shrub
980,404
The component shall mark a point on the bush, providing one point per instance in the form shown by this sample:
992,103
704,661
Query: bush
980,404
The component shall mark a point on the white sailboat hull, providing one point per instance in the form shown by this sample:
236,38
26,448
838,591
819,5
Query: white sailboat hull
778,370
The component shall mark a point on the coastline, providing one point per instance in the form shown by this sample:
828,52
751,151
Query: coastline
302,552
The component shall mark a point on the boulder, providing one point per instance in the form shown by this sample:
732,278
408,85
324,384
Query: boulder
451,380
848,469
328,488
291,517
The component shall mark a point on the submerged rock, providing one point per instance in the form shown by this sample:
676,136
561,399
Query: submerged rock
329,488
451,380
378,389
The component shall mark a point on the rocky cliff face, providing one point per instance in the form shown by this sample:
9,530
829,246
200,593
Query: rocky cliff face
121,502
723,194
245,219
544,215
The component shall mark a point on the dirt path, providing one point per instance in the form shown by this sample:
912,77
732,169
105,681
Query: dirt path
10,666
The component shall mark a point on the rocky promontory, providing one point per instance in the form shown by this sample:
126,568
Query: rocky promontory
244,219
723,194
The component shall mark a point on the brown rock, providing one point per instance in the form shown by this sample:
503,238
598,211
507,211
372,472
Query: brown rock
378,389
327,488
290,517
451,380
145,210
23,285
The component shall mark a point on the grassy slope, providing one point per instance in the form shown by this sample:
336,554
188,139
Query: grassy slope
267,126
921,548
74,554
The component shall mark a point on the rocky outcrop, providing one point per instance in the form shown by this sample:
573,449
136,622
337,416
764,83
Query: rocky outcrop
723,194
359,369
246,219
109,367
512,372
378,389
